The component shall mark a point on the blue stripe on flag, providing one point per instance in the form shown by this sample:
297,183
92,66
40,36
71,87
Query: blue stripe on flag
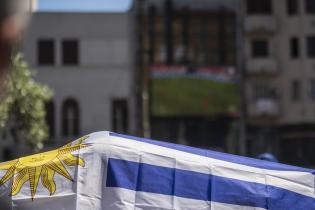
219,156
188,184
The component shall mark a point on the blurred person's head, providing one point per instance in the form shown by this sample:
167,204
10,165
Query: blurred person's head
268,157
13,18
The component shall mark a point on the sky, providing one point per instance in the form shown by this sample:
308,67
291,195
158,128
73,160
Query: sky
84,5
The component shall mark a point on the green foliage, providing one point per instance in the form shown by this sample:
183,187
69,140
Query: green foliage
22,109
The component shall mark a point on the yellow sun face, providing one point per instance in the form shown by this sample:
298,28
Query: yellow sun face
43,166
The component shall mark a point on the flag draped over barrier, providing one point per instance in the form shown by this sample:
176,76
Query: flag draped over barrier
109,171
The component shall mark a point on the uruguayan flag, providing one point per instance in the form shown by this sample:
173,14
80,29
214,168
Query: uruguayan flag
109,171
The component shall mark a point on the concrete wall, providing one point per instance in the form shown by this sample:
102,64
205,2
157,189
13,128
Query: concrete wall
106,64
301,69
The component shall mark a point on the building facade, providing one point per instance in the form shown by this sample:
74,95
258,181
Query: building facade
279,53
185,37
87,60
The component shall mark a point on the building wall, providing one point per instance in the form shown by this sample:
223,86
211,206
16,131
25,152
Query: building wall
105,70
287,69
189,35
302,68
277,117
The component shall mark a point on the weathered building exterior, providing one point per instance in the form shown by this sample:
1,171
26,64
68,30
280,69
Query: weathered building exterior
87,59
183,35
280,46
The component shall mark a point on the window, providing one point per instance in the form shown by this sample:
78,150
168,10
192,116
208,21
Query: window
310,6
298,151
260,48
259,7
311,46
70,118
70,52
152,34
312,92
120,115
50,118
168,30
294,47
7,154
295,90
222,40
292,7
46,52
263,91
185,22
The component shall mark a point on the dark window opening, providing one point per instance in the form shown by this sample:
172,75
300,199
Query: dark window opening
311,46
260,48
310,6
294,47
152,33
295,90
312,91
7,154
298,151
46,52
259,7
203,50
120,115
262,91
50,118
169,42
70,52
292,7
222,39
70,118
185,22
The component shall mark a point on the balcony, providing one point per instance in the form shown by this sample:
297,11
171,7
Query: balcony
264,107
260,24
263,66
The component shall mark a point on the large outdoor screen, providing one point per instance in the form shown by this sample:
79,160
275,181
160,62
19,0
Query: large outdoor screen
189,91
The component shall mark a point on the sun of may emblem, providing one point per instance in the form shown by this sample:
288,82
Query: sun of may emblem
43,166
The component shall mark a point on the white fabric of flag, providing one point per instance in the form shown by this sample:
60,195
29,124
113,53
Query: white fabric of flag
109,171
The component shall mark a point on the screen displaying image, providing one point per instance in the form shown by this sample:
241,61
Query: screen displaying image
189,91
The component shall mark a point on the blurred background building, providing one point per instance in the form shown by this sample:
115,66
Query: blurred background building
33,5
88,61
280,49
188,49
